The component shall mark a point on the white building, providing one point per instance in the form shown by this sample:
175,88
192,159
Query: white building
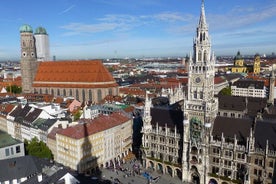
10,147
249,88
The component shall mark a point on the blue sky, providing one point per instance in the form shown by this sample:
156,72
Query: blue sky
82,29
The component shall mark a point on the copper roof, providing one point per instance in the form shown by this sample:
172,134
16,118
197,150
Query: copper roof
78,74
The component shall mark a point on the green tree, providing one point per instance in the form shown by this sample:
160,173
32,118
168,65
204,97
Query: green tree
226,91
38,149
14,89
77,115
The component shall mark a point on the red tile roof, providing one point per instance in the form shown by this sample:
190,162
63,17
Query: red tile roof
220,79
5,109
70,74
96,125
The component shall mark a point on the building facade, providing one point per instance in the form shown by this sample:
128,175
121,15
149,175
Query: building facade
101,142
10,147
249,88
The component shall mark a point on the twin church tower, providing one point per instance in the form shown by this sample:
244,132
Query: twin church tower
34,48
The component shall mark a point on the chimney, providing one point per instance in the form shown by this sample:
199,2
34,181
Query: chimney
39,177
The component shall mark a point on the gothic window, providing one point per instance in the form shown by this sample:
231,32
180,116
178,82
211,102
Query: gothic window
77,94
83,95
161,156
90,95
205,56
110,91
201,95
99,95
195,94
199,56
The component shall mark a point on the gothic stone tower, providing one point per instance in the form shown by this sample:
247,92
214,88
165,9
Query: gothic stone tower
200,107
28,58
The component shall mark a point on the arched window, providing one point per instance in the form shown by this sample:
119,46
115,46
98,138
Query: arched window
195,94
52,92
70,92
199,56
40,91
58,92
46,91
77,94
83,95
99,95
64,92
201,95
90,95
110,91
205,56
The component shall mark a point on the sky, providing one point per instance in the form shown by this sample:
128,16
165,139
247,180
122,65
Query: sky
90,29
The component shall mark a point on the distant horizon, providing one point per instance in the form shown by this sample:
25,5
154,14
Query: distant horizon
137,29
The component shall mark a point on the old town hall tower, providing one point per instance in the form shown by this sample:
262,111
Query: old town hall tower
200,106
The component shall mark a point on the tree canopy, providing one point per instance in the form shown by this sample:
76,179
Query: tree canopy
38,149
14,89
226,91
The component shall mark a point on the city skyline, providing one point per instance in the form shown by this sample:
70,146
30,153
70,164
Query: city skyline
156,28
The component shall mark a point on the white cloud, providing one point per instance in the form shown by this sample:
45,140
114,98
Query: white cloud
67,9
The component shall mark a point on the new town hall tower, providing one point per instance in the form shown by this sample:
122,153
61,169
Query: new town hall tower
176,140
200,106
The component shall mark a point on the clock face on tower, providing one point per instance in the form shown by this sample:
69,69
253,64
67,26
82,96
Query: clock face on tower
197,80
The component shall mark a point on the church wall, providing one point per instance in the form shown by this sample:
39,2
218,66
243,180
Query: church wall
81,94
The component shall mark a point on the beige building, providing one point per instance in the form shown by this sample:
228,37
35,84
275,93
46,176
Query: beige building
101,142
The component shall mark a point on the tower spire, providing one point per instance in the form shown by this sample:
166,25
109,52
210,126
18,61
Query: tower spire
202,20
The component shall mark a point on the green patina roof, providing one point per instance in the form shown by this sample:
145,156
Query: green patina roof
238,56
7,140
26,28
40,30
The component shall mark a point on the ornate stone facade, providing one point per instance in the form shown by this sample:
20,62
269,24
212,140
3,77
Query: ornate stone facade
212,142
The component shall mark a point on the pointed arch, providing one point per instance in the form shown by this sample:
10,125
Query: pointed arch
90,95
83,95
70,92
99,95
199,55
77,94
205,56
